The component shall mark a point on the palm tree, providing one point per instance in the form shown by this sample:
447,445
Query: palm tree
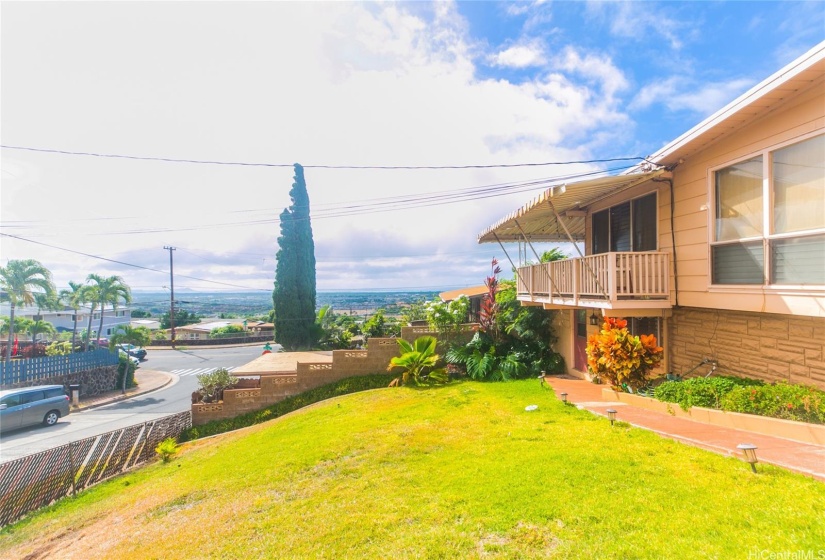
89,295
40,327
17,280
417,362
109,290
73,297
127,334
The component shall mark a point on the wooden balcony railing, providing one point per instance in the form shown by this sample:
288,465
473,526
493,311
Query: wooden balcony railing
606,279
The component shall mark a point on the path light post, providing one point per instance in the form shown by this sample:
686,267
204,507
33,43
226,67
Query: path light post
563,398
749,450
611,415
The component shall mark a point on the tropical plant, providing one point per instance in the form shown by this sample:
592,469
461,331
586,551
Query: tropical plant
380,326
110,290
59,348
489,306
125,371
418,363
554,254
620,357
211,385
447,317
294,295
167,449
333,331
40,327
19,282
73,297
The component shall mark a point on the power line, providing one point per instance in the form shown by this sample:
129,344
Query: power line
130,264
316,166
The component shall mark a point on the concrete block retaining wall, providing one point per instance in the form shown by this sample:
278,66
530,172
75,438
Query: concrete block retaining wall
765,346
254,394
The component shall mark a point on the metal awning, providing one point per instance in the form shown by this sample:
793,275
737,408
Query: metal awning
537,220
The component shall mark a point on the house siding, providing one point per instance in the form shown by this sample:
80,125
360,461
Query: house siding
801,116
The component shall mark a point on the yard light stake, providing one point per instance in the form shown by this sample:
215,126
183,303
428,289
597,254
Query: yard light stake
749,450
563,397
611,415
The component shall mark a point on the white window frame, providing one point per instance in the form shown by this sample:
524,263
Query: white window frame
767,221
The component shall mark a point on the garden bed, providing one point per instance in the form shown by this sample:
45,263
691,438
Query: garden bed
777,427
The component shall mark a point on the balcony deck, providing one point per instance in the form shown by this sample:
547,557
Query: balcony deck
623,280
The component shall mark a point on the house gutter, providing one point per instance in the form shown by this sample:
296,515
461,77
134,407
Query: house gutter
669,181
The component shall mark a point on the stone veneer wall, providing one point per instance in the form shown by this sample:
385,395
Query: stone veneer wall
765,346
92,382
250,395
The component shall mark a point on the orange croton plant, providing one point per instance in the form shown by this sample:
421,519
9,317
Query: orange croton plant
615,355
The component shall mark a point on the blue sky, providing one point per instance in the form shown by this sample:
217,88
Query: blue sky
365,84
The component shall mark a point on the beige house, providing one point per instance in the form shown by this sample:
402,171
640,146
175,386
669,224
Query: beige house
717,245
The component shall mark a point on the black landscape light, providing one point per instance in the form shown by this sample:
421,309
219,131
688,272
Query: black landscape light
563,397
611,415
749,450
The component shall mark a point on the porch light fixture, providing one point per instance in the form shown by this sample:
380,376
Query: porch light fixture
749,450
594,319
611,415
563,397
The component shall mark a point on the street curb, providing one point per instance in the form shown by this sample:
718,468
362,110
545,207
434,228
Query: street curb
126,397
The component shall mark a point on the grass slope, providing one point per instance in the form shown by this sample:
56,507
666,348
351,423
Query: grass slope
455,472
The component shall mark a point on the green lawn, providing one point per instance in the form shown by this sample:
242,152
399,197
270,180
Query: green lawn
454,472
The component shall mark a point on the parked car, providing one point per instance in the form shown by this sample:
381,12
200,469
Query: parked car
27,406
135,351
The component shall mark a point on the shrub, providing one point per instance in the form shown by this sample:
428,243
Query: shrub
344,386
706,392
167,449
59,349
620,357
779,400
211,385
125,367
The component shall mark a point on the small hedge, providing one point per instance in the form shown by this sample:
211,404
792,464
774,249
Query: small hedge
751,396
342,387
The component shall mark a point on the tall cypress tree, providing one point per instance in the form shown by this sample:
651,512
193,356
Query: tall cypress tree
294,294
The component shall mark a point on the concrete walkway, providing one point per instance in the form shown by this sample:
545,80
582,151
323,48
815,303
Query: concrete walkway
804,458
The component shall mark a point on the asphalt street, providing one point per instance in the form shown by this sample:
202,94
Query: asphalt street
175,397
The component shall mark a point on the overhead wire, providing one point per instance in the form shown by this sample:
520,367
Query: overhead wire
315,166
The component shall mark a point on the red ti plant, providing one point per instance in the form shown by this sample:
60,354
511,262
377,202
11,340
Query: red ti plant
489,307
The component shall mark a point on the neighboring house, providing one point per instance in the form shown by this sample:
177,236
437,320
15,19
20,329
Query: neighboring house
474,293
151,324
63,320
717,247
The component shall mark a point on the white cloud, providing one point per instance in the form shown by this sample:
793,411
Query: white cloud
639,20
520,56
680,94
332,83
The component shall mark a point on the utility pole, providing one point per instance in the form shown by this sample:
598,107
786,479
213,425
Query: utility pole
172,290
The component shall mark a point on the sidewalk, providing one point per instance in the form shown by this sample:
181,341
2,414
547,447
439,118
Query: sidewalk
804,458
148,380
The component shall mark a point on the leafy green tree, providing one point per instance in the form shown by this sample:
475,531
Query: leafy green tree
212,384
554,254
110,290
141,314
417,362
228,329
73,297
332,331
414,311
21,324
182,318
380,326
19,282
294,295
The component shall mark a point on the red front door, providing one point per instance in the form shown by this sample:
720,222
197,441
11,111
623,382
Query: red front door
580,339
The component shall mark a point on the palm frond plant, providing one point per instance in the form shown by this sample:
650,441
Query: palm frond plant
418,363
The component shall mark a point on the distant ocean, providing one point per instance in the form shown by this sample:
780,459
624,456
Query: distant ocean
260,303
